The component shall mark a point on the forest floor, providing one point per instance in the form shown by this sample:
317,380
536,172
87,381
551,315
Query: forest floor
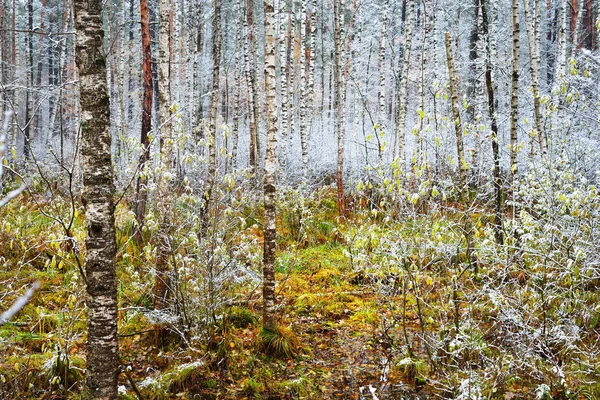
343,335
339,352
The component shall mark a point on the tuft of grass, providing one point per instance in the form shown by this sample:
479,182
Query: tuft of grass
282,343
365,313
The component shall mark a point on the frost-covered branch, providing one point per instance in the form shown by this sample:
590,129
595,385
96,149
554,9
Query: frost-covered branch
20,303
590,56
14,193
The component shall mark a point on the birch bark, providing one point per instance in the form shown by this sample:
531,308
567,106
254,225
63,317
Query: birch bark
403,89
269,322
98,199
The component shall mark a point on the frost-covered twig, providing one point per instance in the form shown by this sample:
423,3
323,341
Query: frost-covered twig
590,56
20,303
14,193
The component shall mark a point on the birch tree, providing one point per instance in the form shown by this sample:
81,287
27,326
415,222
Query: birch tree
491,103
460,149
402,91
514,101
269,322
98,198
212,118
532,23
382,47
162,281
338,13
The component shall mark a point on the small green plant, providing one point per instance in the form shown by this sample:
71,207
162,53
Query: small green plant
241,317
411,369
252,387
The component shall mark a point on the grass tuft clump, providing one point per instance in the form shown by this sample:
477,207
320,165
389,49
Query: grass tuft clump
281,343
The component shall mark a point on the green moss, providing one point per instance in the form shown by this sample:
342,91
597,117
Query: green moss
241,317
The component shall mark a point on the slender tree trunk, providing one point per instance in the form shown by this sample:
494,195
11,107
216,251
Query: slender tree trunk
162,280
27,131
284,45
40,68
236,105
212,119
576,28
269,322
382,93
562,50
532,23
514,102
98,198
402,92
304,57
462,161
142,181
494,122
338,13
291,68
250,81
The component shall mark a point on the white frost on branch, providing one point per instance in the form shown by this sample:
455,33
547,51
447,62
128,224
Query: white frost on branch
19,304
590,56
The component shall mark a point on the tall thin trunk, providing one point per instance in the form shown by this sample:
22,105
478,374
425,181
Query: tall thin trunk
284,45
141,189
403,89
532,22
27,131
40,68
98,198
562,50
576,28
162,280
339,13
132,77
212,119
460,151
381,61
304,56
250,66
236,104
270,171
493,118
291,68
514,101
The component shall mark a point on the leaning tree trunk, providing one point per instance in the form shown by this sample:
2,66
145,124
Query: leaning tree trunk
269,322
142,182
98,198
